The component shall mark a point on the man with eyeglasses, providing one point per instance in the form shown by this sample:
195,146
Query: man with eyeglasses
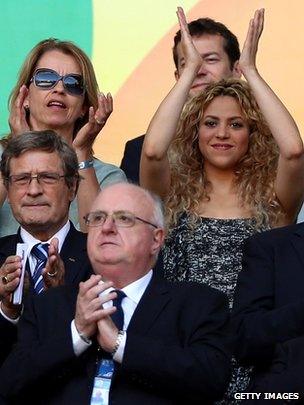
40,173
126,337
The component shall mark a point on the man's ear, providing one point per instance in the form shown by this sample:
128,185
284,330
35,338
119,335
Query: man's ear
158,240
236,71
73,191
176,75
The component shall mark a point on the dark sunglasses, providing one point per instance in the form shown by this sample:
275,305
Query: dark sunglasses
48,78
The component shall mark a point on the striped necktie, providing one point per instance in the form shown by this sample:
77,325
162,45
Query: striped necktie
40,252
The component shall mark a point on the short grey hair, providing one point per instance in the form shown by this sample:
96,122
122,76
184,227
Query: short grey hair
46,141
158,217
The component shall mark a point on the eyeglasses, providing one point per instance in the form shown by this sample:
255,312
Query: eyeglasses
44,178
46,79
123,219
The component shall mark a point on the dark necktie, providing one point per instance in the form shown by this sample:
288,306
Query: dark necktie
40,252
118,316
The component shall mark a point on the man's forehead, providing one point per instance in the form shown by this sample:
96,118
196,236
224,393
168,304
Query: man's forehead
122,198
206,43
35,157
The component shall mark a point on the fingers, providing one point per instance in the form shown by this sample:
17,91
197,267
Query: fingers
10,277
53,274
91,116
105,108
53,248
92,287
182,20
193,59
90,290
17,118
256,26
259,22
89,304
9,283
247,61
10,273
83,142
53,257
23,92
11,264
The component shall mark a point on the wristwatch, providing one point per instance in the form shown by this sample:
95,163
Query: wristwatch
86,164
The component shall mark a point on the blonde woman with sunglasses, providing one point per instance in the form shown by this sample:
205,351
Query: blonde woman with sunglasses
57,89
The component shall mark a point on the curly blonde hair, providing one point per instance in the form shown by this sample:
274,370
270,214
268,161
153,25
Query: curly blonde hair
255,172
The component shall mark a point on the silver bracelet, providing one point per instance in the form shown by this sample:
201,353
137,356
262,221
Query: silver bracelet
86,164
118,341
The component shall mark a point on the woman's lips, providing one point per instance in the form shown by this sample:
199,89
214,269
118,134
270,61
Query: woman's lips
56,104
222,146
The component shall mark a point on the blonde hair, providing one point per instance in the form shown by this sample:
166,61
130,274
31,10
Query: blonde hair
255,172
69,48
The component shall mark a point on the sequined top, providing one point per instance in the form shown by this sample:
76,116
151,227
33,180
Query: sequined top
211,253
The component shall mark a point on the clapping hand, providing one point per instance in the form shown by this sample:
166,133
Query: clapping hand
17,119
247,61
192,58
86,136
53,274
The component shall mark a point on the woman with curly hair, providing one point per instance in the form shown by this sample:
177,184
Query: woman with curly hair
228,163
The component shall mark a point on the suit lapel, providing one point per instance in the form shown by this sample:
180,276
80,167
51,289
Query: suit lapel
297,240
74,255
8,245
154,299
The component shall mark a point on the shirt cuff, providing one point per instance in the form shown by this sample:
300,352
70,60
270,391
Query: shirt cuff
11,320
79,345
118,356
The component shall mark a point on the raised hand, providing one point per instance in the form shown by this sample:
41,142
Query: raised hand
53,274
17,119
86,136
248,56
192,57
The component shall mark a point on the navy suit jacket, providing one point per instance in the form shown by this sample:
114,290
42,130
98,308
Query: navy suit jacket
77,268
177,350
269,310
131,158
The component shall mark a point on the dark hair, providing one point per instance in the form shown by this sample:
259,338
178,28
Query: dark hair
46,141
207,26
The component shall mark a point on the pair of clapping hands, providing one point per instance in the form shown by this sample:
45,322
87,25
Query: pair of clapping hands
91,318
247,61
85,137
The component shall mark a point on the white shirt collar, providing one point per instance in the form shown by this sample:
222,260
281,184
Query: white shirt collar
31,241
135,290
